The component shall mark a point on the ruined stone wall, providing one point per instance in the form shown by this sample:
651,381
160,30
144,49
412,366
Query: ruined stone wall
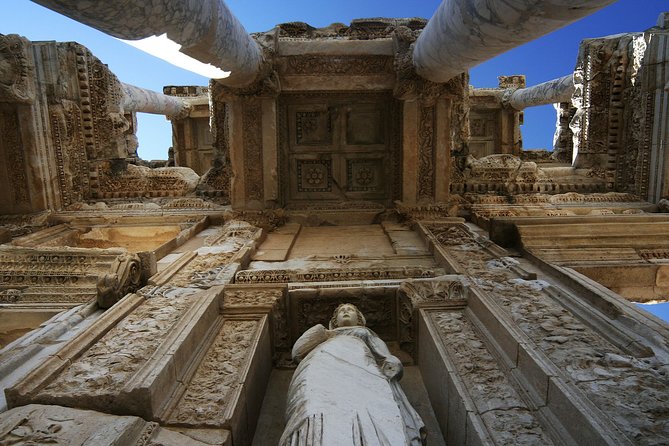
620,102
68,138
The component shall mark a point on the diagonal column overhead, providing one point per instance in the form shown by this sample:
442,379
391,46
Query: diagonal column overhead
139,99
206,30
464,33
550,92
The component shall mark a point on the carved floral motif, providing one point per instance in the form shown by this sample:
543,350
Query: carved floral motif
16,70
438,290
12,146
426,155
220,374
253,158
314,65
113,360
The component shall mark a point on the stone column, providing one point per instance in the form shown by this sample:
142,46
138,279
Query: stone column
206,30
551,92
464,33
136,99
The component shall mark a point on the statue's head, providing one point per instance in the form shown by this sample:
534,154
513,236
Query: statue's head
347,315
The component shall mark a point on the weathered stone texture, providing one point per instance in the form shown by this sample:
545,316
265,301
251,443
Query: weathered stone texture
606,373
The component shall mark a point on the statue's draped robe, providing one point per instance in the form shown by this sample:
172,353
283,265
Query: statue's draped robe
339,396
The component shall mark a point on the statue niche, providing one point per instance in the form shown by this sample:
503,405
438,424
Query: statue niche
346,391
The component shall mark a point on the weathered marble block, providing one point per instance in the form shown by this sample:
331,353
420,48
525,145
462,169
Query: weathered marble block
37,424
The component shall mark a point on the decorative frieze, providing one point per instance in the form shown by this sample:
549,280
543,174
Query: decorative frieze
96,379
327,275
68,275
205,270
253,148
426,153
40,424
319,65
509,175
138,181
16,198
16,78
216,262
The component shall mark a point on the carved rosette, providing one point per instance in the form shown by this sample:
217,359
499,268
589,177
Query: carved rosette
16,70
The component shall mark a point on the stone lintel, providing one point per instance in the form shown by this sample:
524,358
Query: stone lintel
377,47
337,83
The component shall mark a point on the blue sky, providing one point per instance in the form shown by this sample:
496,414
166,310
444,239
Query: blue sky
549,57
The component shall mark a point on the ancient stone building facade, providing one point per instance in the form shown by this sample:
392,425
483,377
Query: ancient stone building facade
145,305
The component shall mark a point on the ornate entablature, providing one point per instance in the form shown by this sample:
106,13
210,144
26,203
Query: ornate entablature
68,135
620,92
319,87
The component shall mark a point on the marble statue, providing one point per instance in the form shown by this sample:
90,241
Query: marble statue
346,391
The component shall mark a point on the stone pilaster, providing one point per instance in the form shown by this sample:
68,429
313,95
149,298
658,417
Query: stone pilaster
656,77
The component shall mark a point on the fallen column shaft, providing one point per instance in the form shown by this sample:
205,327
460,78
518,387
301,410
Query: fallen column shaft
206,30
138,99
464,33
551,92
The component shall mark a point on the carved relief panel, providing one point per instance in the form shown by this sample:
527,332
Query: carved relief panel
13,175
484,132
337,147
